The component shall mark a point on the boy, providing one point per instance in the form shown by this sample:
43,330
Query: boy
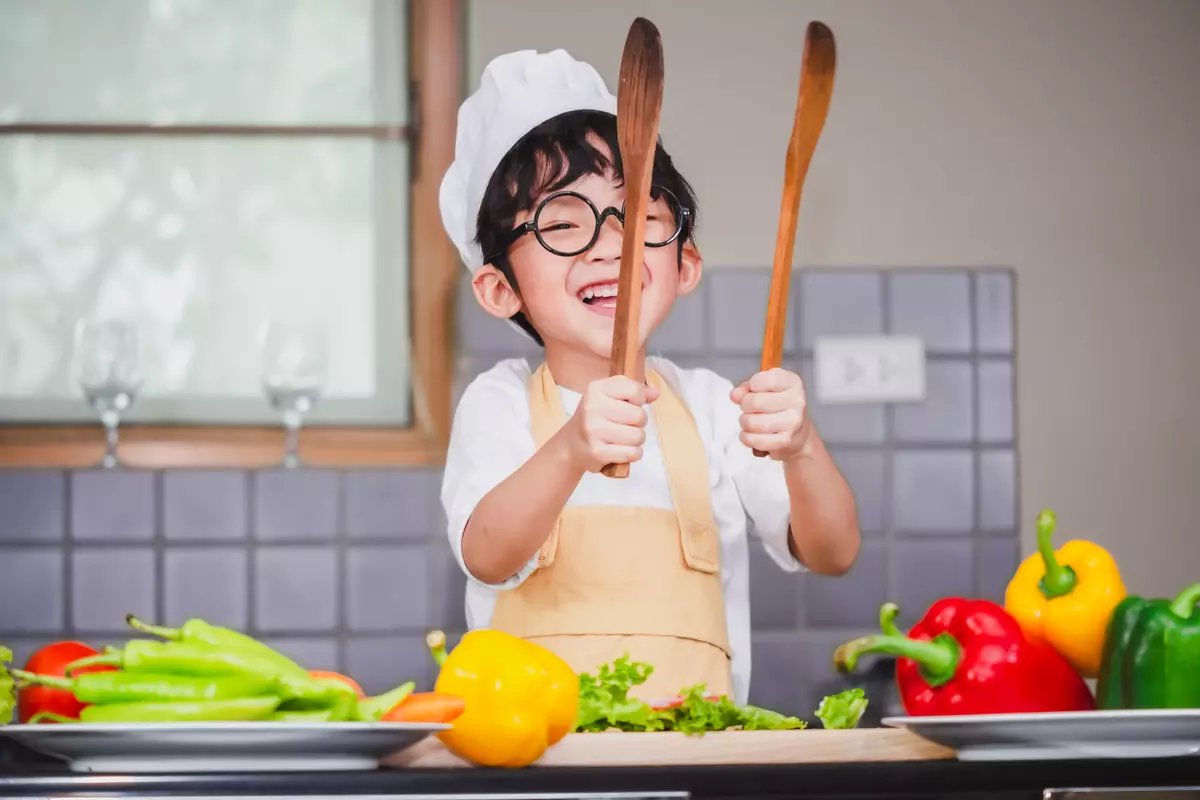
654,565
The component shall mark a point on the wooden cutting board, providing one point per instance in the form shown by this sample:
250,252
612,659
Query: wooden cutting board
726,747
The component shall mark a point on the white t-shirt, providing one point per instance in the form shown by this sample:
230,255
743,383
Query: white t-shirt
491,439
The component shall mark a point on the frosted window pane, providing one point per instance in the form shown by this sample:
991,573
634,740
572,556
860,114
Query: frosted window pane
209,238
202,61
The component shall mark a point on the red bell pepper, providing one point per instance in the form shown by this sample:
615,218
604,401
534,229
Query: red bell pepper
971,657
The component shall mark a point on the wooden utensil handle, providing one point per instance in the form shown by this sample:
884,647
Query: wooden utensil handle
812,106
639,101
616,471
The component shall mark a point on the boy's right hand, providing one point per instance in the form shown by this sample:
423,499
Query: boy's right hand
609,427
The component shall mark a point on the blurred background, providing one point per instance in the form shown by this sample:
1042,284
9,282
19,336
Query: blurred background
1016,183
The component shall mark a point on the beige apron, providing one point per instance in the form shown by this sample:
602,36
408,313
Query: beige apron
616,580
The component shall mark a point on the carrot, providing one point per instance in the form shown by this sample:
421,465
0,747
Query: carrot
427,707
321,674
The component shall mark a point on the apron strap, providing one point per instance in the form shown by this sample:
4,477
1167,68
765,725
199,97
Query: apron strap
546,412
687,473
546,415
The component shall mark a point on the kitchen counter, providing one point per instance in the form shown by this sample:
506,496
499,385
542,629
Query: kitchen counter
20,778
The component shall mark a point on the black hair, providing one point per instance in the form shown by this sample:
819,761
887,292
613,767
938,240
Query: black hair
550,157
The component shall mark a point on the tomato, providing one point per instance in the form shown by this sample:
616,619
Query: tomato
321,674
53,660
676,702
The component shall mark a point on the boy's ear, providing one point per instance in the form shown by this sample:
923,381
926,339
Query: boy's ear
493,292
691,267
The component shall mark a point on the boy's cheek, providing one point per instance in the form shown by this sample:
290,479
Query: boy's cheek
541,287
655,310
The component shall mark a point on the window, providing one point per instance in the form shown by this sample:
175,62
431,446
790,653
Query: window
207,169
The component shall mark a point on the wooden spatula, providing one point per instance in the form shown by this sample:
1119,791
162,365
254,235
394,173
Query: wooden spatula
816,90
639,101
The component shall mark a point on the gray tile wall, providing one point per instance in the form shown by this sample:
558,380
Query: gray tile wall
348,569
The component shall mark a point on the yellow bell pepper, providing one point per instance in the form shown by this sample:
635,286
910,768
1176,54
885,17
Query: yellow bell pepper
521,699
1066,597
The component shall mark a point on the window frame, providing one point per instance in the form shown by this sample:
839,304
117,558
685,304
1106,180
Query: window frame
436,55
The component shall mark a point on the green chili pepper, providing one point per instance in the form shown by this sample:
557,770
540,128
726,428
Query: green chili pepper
321,715
198,631
202,660
8,690
130,687
1151,656
240,709
180,658
341,710
370,709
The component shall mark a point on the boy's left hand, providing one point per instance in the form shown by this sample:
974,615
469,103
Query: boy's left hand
774,414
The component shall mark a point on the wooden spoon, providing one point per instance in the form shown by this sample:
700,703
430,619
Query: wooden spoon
816,90
639,101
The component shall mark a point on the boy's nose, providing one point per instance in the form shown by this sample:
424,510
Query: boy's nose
608,241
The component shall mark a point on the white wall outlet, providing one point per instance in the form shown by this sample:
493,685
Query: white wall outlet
869,369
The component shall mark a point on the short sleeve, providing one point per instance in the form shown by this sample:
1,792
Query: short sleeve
760,482
489,440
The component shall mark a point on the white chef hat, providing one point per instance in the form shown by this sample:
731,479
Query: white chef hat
518,92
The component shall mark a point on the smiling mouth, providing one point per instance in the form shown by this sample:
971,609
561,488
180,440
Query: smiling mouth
601,297
599,294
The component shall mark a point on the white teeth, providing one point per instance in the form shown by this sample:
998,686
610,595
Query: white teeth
601,290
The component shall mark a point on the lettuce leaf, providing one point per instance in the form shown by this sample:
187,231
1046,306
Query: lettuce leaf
842,710
604,704
604,701
8,690
699,713
761,719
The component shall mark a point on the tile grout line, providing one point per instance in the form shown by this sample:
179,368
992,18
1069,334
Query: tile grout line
251,547
158,480
341,556
977,436
1012,367
67,552
888,450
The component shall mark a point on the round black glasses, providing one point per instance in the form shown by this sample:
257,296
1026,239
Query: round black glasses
567,223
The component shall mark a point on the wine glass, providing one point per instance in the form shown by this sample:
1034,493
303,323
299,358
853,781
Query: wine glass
109,356
294,369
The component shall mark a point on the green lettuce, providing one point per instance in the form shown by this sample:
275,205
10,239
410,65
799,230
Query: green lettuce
8,690
842,710
699,713
604,704
761,719
604,701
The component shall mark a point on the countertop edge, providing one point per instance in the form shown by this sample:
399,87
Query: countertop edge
938,777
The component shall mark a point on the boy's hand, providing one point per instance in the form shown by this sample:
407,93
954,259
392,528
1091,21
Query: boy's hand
774,418
609,427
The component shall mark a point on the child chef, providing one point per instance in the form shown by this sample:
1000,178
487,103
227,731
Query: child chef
654,566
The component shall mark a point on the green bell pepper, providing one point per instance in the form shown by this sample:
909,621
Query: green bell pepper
1151,654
